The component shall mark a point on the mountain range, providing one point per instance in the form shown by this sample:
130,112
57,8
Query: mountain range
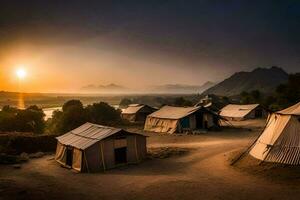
181,88
167,88
104,88
263,79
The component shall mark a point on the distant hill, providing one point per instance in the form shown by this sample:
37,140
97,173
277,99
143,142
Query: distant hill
263,79
104,88
182,88
206,86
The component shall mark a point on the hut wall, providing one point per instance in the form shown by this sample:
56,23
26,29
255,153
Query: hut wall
60,155
209,119
141,147
192,121
129,117
109,154
162,125
131,149
250,115
93,158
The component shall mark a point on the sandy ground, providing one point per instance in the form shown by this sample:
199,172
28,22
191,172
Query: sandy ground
203,172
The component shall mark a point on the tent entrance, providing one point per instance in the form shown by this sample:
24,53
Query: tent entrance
121,155
141,117
185,122
258,113
69,158
199,120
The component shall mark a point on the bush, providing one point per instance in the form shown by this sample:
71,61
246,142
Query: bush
180,101
103,113
16,143
28,120
74,115
125,102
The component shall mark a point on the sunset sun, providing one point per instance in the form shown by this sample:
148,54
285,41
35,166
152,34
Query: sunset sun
21,73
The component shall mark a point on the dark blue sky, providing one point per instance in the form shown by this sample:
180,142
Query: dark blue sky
221,36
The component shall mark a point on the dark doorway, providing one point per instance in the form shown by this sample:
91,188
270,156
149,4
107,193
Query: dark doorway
69,159
206,124
141,117
199,120
258,113
121,155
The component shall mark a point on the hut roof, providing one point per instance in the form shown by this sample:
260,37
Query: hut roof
87,135
238,111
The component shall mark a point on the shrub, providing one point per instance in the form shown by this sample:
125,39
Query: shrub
28,120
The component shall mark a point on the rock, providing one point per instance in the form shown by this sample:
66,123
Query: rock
23,157
17,166
36,155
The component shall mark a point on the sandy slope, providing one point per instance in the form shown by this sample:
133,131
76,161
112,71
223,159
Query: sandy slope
203,173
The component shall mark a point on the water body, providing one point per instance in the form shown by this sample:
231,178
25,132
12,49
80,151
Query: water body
49,111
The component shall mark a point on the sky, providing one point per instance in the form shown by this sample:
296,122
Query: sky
65,45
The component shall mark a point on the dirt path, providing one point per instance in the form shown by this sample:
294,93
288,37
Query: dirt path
203,173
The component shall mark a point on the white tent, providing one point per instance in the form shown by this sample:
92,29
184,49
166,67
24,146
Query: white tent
170,119
242,112
137,112
280,141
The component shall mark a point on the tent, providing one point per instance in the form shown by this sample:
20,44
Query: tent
137,112
92,148
170,119
280,140
242,112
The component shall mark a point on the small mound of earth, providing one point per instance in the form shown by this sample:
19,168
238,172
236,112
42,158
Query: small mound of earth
273,171
166,152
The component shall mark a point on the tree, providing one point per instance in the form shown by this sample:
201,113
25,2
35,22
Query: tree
125,102
28,120
256,96
180,101
72,115
103,113
289,93
70,103
9,109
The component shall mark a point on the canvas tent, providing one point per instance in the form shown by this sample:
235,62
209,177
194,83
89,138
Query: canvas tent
170,119
280,140
137,112
92,148
242,112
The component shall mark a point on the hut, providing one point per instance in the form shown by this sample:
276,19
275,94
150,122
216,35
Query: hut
93,148
171,119
242,112
280,141
137,112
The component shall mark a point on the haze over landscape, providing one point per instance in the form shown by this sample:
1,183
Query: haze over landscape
157,99
138,45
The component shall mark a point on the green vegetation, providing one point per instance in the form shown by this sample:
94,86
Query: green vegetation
161,100
28,120
286,95
125,102
16,143
180,101
74,114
